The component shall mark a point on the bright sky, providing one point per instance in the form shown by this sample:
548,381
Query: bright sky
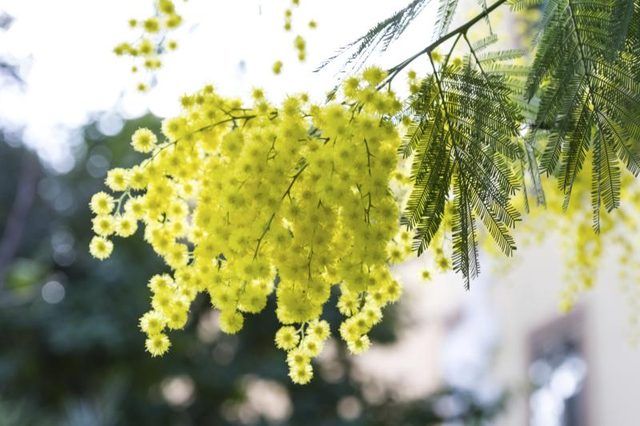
65,51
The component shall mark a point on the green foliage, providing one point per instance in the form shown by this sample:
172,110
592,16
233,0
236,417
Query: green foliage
463,145
446,10
477,127
586,74
520,5
529,167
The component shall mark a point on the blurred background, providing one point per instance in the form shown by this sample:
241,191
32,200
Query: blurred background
70,349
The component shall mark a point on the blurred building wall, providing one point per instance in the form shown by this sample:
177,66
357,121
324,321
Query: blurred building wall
526,300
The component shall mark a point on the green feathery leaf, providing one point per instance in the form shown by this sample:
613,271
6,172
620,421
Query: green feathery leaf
586,74
444,16
464,147
377,38
518,5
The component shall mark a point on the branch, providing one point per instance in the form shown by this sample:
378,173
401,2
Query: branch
268,225
167,144
462,29
264,232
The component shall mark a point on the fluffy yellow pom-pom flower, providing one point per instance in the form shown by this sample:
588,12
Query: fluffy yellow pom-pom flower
100,247
359,345
157,344
152,322
151,25
287,338
319,329
301,374
117,179
143,140
103,225
102,203
277,67
126,225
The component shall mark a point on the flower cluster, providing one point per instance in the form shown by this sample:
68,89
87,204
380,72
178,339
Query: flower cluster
245,202
147,50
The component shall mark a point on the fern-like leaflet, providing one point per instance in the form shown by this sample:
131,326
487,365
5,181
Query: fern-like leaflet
378,37
464,147
586,74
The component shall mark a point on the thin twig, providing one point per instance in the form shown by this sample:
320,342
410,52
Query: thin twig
268,225
392,72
